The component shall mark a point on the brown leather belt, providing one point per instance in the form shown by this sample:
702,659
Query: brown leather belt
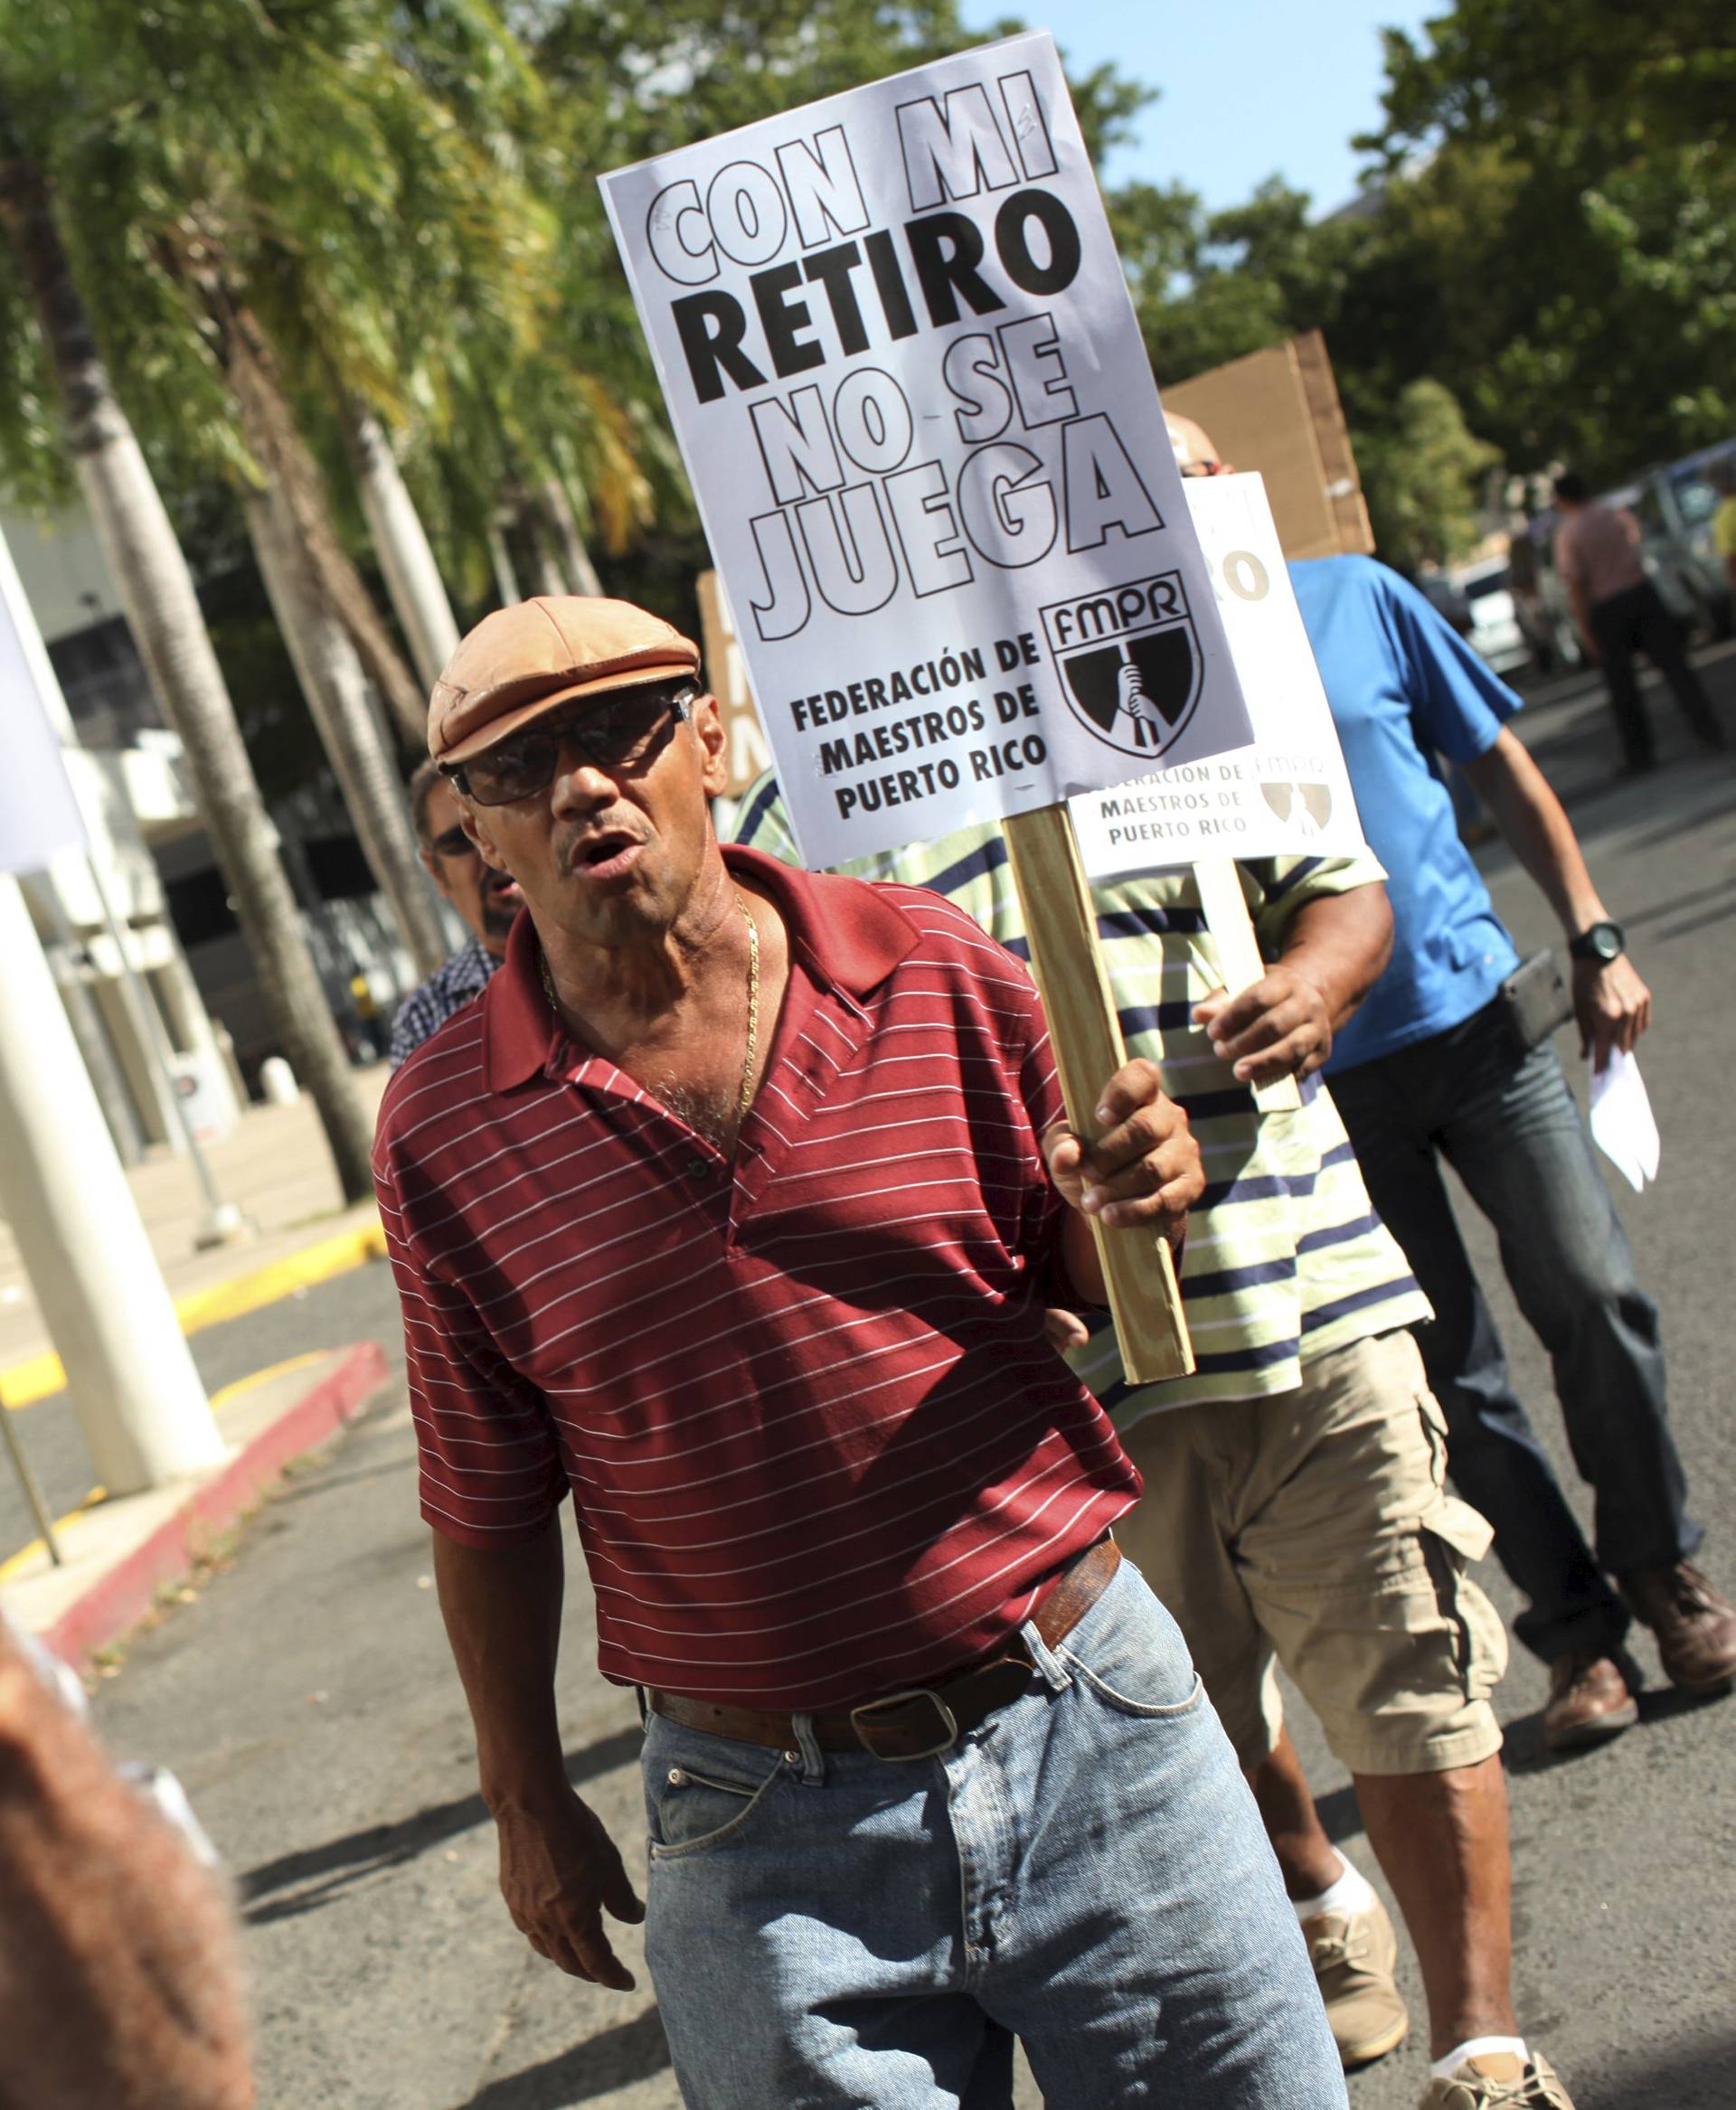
927,1720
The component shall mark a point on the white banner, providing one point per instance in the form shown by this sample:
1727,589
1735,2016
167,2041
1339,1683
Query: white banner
902,362
39,814
1288,792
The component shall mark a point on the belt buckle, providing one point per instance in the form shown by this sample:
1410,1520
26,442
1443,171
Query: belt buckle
944,1716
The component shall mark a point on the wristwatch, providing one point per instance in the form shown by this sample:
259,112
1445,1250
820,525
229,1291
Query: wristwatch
1602,942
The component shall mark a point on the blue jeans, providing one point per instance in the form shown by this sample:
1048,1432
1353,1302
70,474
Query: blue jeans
1085,1872
1507,1123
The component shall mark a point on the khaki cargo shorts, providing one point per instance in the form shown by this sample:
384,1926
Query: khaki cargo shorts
1313,1528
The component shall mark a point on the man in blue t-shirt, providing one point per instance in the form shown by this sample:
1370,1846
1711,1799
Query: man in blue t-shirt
1435,1064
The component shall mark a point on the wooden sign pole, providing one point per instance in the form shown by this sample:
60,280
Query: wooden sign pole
1232,931
1061,922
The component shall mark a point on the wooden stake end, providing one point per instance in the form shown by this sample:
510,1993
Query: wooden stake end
1061,923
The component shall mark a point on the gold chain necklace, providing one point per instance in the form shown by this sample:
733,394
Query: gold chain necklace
753,1002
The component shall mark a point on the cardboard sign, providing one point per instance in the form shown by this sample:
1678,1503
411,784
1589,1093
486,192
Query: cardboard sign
745,752
1277,412
921,424
1287,794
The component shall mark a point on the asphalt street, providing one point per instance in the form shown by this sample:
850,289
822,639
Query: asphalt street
308,1702
358,1306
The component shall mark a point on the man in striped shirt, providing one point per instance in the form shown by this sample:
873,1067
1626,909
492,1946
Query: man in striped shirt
733,1208
1294,1508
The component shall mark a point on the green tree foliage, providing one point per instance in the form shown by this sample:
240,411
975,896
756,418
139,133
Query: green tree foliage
1560,171
1548,241
1421,471
406,192
1635,77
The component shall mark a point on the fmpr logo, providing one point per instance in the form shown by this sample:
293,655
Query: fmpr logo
1128,659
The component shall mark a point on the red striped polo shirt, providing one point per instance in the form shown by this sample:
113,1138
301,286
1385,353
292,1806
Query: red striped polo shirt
818,1445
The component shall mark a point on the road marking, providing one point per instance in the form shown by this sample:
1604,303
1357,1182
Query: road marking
40,1376
21,1560
219,1400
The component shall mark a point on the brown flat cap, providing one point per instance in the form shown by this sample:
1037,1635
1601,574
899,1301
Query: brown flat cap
524,660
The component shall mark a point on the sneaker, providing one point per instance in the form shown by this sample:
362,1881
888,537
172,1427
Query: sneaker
1589,1701
1695,1628
1354,1956
1498,2081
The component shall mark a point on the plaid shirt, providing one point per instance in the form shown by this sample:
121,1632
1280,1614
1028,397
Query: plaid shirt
447,989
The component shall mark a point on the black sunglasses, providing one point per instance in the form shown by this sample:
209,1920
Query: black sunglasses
621,730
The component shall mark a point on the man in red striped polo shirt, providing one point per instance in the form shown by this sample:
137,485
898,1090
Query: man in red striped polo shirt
732,1208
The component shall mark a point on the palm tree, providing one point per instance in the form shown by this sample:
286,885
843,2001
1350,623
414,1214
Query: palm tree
407,560
163,608
317,596
150,179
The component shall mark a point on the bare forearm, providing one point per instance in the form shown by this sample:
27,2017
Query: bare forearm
1540,834
502,1609
1341,943
1080,1260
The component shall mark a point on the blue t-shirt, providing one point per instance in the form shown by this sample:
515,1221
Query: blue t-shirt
1405,688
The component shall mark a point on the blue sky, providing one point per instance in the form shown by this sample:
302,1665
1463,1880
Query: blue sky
1250,87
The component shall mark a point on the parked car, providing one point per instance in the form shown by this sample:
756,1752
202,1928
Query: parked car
1674,509
1484,605
1446,600
1496,630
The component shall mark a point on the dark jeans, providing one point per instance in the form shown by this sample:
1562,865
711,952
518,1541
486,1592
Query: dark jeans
1508,1126
1638,621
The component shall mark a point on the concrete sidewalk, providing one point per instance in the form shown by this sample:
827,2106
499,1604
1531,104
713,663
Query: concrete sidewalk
120,1555
276,1169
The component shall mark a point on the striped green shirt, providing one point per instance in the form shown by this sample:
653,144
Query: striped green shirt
1286,1258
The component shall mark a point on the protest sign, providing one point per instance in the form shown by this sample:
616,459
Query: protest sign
1288,792
921,428
919,423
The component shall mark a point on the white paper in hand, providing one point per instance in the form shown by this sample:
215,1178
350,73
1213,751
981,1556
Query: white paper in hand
1622,1124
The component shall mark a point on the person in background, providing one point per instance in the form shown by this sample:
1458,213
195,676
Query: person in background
119,1984
486,900
1618,613
1438,1064
1724,523
1294,1510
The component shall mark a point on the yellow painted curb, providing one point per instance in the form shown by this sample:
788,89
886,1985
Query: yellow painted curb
26,1382
21,1560
219,1400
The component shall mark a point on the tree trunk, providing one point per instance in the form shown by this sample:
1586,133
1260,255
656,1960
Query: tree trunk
336,690
400,543
557,508
532,535
249,365
507,589
163,608
314,604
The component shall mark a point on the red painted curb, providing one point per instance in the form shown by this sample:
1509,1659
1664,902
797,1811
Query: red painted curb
117,1600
